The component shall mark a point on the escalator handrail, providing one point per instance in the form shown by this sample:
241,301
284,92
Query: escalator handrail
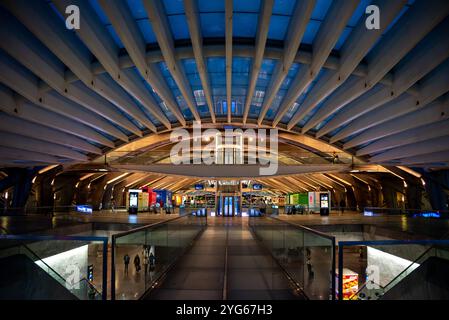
57,275
445,236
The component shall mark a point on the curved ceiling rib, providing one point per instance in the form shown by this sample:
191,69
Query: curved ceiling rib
141,68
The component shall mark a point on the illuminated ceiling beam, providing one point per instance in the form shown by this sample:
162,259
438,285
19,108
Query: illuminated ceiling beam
161,28
178,184
193,21
296,28
118,179
346,183
100,42
424,58
25,83
9,154
86,176
135,181
329,182
412,27
19,107
38,17
152,180
429,158
303,178
297,183
266,8
353,51
336,182
428,132
126,27
360,179
432,88
434,112
219,50
330,30
22,45
15,125
281,181
414,149
281,186
228,56
320,183
35,145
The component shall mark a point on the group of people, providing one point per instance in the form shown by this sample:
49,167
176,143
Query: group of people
149,261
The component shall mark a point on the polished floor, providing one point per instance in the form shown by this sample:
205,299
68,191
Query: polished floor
226,262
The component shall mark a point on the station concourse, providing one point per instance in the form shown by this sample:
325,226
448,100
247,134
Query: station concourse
224,149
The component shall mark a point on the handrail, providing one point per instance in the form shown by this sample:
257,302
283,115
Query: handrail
410,265
38,258
321,234
124,233
67,238
342,244
299,226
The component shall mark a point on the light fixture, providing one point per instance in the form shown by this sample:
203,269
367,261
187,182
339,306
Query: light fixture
34,179
423,182
6,195
405,184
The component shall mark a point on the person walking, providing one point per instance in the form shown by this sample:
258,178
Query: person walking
126,259
342,206
145,261
137,262
152,260
309,267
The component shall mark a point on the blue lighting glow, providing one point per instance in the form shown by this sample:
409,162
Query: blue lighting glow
84,208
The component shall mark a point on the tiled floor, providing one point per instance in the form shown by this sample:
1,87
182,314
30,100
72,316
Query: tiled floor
251,272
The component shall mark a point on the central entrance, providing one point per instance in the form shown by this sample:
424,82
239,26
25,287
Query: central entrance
228,198
228,205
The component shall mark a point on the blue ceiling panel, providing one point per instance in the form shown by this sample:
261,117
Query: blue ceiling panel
343,36
211,5
147,31
179,27
103,18
213,24
311,30
174,6
115,36
245,25
320,10
137,9
278,27
247,6
284,7
358,13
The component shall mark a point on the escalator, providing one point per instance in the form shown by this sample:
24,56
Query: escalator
426,278
25,276
24,280
225,263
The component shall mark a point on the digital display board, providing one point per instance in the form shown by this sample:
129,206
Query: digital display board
199,187
257,186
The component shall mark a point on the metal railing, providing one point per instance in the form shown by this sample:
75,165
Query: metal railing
303,253
158,246
386,279
13,243
379,211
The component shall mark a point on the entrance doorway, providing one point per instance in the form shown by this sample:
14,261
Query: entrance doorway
228,205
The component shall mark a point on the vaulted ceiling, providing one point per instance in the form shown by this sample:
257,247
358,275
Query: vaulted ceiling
139,68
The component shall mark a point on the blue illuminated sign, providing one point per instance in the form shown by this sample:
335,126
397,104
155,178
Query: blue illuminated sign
84,208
